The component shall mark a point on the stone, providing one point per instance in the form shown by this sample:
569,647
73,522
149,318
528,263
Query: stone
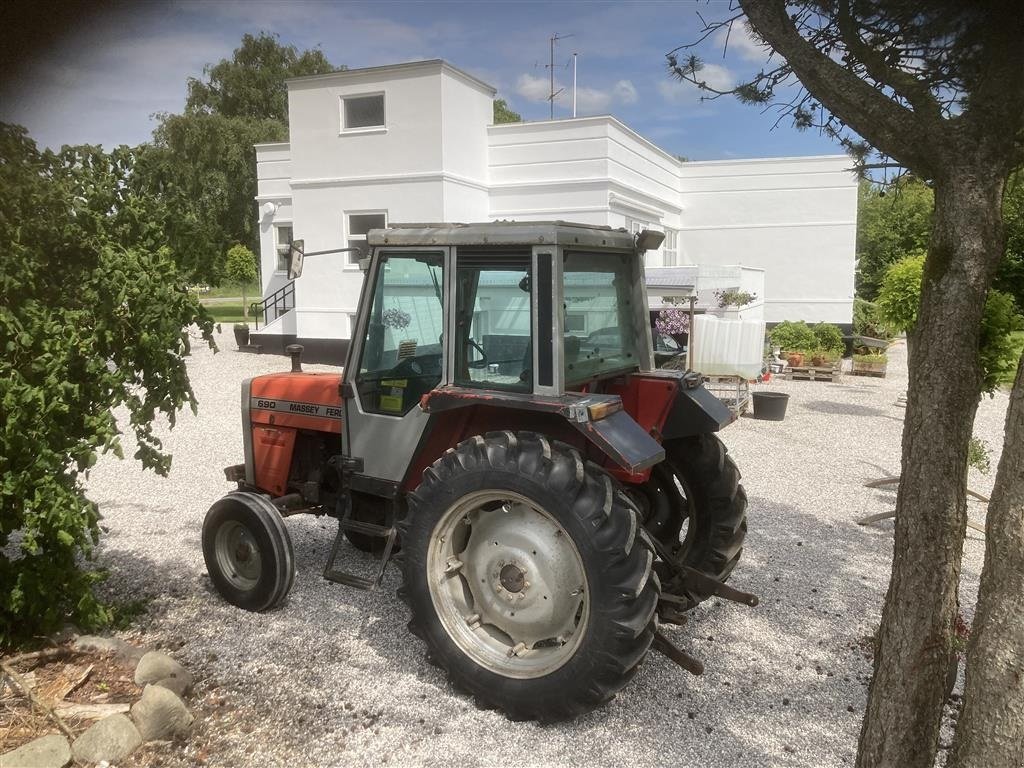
156,666
125,653
160,714
112,739
45,752
177,685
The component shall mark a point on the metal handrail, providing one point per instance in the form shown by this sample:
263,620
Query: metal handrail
276,303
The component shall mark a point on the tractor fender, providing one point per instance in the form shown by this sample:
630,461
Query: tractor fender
695,411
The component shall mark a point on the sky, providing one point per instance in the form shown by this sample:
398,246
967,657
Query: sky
99,77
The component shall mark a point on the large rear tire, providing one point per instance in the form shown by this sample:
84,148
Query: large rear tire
527,577
695,505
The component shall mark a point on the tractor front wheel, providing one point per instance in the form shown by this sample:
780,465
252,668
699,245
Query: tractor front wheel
527,576
248,551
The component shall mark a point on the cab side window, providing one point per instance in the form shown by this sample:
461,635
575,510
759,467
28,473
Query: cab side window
402,342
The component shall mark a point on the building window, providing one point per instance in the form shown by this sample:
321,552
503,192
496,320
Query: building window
363,112
352,317
282,236
358,225
575,321
670,248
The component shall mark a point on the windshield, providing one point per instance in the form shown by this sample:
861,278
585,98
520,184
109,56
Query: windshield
600,334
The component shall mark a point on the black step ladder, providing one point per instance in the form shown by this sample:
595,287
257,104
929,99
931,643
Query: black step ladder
347,523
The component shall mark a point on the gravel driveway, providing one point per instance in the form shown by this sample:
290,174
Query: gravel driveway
334,678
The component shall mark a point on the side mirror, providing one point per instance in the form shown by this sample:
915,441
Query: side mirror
649,240
295,256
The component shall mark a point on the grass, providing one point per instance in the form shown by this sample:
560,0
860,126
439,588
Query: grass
229,290
229,313
1017,338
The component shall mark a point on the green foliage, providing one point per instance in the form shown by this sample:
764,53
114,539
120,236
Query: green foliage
94,316
202,162
867,320
829,338
979,456
1010,274
734,298
895,222
892,223
240,265
871,357
793,336
240,268
251,84
504,114
900,293
997,350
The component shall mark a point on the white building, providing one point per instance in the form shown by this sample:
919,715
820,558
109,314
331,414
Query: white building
414,143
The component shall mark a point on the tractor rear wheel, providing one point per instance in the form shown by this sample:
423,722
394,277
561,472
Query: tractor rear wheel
248,551
695,505
527,576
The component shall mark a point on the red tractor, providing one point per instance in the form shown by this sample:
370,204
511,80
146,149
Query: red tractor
550,496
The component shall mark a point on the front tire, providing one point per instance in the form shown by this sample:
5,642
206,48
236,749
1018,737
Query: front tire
248,551
527,576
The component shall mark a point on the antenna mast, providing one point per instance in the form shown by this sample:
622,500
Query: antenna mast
551,68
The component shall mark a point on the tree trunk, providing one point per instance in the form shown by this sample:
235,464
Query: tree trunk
912,652
245,306
990,733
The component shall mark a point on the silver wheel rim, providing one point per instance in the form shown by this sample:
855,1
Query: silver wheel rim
238,555
508,584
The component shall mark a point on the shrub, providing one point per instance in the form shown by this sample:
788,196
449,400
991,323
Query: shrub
900,294
93,318
867,320
997,351
871,357
793,336
829,338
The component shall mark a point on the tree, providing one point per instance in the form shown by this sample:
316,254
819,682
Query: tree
251,84
900,298
203,161
94,316
504,114
937,90
240,268
891,224
894,220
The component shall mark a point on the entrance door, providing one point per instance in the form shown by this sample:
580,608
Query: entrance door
397,357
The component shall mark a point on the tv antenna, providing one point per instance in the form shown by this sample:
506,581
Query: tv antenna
551,68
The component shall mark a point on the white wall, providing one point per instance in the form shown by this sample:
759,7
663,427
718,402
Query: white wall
796,218
438,158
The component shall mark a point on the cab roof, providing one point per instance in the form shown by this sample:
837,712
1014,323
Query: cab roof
504,233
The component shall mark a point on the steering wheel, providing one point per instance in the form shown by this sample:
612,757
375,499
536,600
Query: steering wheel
417,367
482,362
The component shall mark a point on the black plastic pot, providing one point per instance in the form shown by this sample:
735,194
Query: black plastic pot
770,406
241,336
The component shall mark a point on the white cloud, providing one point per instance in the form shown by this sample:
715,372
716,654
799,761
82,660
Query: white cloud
625,92
716,76
743,43
588,100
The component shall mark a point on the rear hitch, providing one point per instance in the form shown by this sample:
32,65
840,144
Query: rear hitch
663,645
692,580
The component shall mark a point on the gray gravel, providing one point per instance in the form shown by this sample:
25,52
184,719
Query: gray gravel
334,678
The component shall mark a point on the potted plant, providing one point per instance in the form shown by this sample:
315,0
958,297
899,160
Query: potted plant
819,358
872,364
794,338
795,358
242,334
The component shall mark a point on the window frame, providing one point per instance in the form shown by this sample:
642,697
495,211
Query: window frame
278,225
346,130
670,256
347,237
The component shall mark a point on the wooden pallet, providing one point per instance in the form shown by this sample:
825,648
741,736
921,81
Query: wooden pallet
813,373
867,369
